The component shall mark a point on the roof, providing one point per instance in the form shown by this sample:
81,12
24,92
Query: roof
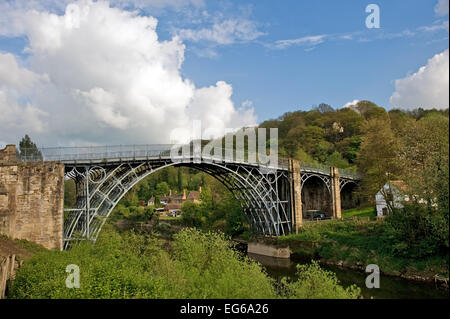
193,195
172,206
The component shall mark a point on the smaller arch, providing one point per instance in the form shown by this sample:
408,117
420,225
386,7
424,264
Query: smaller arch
316,194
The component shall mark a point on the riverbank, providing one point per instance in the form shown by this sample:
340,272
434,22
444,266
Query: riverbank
354,244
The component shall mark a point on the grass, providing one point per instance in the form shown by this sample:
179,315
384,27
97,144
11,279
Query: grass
360,212
360,242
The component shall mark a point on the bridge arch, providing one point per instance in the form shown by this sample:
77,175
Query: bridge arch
347,193
262,193
316,193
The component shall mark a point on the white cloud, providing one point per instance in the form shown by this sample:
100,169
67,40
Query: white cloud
435,27
16,77
227,31
351,104
108,80
441,7
307,41
426,88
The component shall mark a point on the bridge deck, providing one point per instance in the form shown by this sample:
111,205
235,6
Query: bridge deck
97,155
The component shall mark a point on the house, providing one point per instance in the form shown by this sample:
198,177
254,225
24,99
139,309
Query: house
172,203
395,191
151,201
194,196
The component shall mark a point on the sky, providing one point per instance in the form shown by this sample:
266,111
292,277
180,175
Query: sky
128,72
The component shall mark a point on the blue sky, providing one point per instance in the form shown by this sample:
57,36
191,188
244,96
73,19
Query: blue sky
277,56
333,72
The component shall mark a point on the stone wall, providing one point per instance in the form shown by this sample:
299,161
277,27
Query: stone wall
31,200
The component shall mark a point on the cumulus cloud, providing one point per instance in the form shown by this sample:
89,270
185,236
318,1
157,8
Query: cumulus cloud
426,88
441,7
105,77
351,104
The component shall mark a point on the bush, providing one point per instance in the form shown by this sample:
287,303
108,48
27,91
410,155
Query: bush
316,283
418,232
128,265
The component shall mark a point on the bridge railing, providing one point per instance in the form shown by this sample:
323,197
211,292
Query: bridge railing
349,173
315,167
117,152
324,169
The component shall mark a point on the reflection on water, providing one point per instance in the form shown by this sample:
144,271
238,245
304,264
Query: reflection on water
390,287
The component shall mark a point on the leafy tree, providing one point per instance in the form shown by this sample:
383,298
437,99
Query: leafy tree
192,214
162,189
337,160
425,155
378,158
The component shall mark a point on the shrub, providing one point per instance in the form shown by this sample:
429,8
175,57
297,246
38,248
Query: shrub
316,283
128,265
418,232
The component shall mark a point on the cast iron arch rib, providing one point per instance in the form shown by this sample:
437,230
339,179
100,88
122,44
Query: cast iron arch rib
100,188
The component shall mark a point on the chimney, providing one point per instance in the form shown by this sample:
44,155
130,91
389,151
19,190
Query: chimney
184,194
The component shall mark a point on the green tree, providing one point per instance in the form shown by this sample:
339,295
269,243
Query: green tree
28,149
162,188
192,214
378,158
337,160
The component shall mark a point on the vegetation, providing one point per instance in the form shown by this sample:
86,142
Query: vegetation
360,212
363,242
226,215
317,283
28,149
197,265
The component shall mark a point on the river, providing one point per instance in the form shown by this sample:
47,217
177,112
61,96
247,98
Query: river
390,287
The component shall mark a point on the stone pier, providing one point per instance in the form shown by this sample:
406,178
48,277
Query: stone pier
31,199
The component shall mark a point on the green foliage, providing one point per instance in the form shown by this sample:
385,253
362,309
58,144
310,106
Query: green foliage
316,283
199,265
192,214
69,193
378,157
162,189
136,266
337,160
28,149
206,258
132,213
360,212
417,233
363,242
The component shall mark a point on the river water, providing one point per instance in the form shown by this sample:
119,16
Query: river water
390,287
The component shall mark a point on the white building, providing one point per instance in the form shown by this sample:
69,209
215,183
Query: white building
396,195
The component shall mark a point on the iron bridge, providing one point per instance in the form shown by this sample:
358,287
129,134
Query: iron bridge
104,174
